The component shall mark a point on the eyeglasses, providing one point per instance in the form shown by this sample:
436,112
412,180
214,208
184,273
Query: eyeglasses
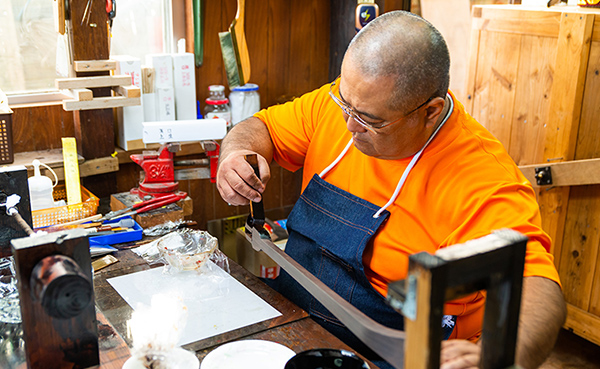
348,110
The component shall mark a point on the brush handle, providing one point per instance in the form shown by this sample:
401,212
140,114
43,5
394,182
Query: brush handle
241,12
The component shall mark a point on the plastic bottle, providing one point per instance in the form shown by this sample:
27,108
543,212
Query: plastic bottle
40,189
245,101
217,105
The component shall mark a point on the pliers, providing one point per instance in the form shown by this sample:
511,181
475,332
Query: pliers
145,206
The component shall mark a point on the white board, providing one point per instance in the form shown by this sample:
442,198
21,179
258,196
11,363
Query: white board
216,302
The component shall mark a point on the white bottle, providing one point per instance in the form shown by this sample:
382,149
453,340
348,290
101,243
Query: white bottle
40,189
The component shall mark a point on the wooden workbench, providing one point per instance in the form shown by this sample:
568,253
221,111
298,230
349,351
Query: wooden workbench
294,328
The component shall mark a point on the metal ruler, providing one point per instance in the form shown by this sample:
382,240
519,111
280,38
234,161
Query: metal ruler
71,165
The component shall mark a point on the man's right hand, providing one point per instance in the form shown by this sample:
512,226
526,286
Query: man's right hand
236,181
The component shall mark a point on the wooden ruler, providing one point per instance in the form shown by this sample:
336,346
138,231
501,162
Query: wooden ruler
71,166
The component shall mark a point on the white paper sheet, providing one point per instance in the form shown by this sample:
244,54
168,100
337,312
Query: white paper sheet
216,301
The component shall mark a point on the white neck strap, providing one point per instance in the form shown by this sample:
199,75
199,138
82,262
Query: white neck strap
408,168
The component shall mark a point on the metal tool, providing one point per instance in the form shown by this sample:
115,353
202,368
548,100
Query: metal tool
160,174
144,206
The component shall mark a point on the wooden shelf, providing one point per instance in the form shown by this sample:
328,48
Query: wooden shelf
54,159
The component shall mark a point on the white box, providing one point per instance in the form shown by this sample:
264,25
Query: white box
165,104
150,109
130,118
163,69
184,81
184,130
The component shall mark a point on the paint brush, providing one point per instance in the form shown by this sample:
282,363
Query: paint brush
235,49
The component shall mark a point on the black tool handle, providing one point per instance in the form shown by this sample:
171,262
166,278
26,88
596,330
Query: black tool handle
257,209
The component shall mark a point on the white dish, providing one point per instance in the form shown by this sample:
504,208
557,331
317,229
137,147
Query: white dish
177,358
248,354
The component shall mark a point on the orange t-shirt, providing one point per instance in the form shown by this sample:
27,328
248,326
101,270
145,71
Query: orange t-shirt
463,187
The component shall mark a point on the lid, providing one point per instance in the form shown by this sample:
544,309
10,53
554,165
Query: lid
246,87
216,88
217,102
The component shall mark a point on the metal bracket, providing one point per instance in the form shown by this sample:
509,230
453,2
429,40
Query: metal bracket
543,176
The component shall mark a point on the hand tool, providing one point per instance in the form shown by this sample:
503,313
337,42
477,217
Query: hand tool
256,218
147,205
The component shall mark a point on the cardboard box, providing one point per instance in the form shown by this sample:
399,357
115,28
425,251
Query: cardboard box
256,262
184,81
224,230
130,118
165,104
163,69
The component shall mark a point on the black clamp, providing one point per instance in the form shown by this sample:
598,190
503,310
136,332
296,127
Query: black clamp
543,176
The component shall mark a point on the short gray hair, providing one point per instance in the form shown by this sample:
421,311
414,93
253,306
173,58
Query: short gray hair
406,47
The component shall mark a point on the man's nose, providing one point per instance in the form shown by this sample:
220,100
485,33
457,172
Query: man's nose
353,125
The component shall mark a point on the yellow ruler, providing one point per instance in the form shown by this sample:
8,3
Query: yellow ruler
71,165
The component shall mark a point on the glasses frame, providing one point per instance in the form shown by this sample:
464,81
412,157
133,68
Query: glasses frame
349,110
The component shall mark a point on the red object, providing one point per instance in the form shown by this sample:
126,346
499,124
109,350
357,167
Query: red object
213,155
159,178
155,203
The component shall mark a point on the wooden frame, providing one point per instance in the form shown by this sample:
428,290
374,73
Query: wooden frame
533,83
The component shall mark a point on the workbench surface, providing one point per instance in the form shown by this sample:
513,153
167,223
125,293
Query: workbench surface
293,328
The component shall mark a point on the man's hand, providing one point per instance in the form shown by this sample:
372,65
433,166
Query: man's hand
460,354
236,181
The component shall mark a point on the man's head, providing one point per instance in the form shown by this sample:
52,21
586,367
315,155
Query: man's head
396,69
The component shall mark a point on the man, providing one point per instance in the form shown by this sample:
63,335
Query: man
393,165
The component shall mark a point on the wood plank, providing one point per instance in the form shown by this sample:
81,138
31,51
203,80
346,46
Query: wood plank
580,246
569,173
257,38
532,99
583,324
94,65
563,120
93,82
567,90
453,20
497,71
54,159
82,94
278,22
100,103
474,45
127,91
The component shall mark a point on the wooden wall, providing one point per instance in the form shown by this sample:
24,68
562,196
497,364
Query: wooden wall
289,47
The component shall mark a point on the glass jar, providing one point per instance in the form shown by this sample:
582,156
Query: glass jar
217,105
245,101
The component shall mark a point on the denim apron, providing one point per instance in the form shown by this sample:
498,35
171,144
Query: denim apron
329,230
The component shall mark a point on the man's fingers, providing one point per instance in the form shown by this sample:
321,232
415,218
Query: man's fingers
459,354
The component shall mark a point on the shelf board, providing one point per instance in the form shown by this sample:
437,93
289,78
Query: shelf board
54,159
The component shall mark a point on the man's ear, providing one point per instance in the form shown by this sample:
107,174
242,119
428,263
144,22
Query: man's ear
433,111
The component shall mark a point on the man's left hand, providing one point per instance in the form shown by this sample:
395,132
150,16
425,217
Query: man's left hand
460,354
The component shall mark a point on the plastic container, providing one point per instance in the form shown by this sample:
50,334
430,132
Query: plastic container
217,105
245,101
67,213
40,188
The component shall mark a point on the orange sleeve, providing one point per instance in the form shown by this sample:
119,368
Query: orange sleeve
292,125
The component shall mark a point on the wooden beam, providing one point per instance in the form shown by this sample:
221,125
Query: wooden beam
94,65
127,91
93,82
82,94
583,324
568,173
100,103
